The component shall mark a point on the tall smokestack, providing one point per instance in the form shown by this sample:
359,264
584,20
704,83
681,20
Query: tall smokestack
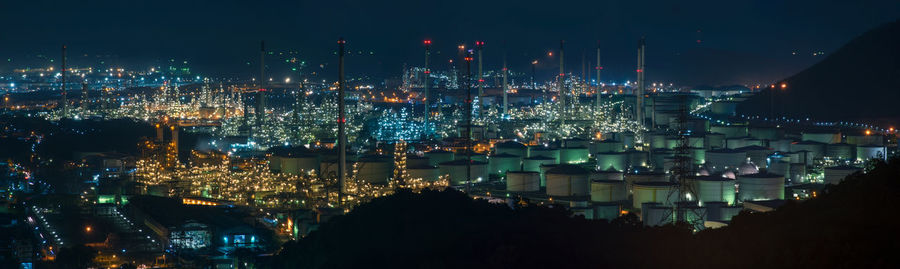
479,45
505,87
261,93
561,81
427,97
599,85
639,111
468,120
159,133
65,100
342,136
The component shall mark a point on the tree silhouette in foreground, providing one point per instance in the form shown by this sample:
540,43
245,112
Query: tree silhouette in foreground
850,225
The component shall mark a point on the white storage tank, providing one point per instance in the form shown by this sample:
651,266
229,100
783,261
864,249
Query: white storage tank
761,186
637,158
436,157
714,189
730,131
512,148
568,180
576,143
642,177
657,139
375,169
841,151
608,145
574,155
867,152
764,133
834,175
425,172
456,169
816,149
714,140
798,173
696,141
862,139
544,151
781,168
719,160
656,214
607,175
533,164
654,192
698,155
501,163
415,160
782,145
608,191
612,160
825,136
757,154
300,164
520,181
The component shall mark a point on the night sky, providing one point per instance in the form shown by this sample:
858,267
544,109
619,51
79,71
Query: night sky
220,37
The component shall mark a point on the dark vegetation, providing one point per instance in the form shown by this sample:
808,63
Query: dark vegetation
851,225
859,82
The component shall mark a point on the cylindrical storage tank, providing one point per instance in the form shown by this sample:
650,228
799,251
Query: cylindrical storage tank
719,160
574,155
794,157
867,152
727,108
657,139
533,164
735,142
816,149
425,172
519,181
714,141
501,163
608,191
698,155
730,131
840,151
607,210
696,141
612,160
780,168
474,155
543,170
656,214
782,145
608,146
576,143
375,169
758,155
543,151
672,142
631,179
798,173
300,164
627,139
456,169
607,175
439,156
415,160
275,163
568,180
512,148
761,186
637,158
690,212
714,189
654,192
867,140
834,175
825,137
764,133
658,159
